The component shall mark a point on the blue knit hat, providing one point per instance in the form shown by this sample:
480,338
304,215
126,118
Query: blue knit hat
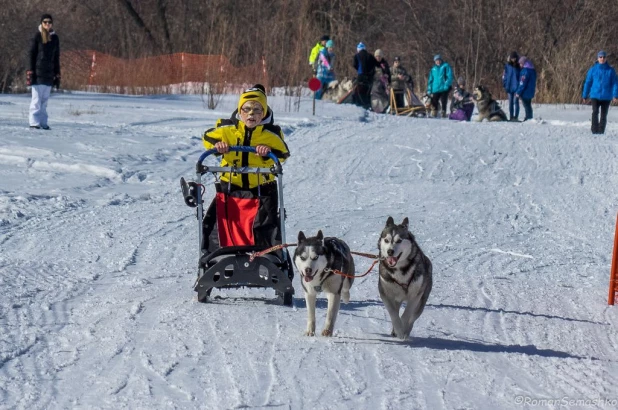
360,46
437,57
602,54
329,44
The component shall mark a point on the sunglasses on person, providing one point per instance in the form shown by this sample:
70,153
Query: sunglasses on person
48,22
603,57
252,110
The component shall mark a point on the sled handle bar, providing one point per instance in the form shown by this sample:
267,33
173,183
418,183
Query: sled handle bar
276,169
236,148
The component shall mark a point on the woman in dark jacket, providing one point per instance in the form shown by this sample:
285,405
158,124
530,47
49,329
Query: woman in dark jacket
510,82
43,70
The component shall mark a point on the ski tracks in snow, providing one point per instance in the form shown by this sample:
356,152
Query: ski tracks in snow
96,276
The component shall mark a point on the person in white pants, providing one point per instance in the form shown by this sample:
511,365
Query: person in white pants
43,71
38,106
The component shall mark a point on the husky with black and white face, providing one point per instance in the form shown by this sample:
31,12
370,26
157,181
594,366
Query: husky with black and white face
405,276
316,258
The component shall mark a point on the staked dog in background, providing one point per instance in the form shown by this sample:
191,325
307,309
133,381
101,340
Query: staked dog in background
405,276
427,102
336,89
315,258
488,107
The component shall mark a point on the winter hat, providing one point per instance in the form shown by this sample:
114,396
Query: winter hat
437,57
522,60
601,54
397,58
324,38
461,81
360,46
46,17
330,44
255,93
378,53
514,56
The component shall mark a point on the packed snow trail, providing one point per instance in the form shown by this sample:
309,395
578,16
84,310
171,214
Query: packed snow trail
97,262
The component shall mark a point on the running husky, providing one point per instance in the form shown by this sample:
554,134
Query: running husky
405,276
315,258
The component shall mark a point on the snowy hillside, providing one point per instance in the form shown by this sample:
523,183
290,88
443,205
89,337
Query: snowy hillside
98,256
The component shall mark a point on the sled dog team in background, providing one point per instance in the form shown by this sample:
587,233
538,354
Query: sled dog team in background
518,80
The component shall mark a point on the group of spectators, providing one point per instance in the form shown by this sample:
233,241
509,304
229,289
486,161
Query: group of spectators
518,79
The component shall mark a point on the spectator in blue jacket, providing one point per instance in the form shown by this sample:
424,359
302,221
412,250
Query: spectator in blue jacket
510,82
527,85
439,85
600,86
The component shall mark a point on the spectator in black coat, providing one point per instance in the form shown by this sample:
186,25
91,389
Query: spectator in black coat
43,70
383,65
365,65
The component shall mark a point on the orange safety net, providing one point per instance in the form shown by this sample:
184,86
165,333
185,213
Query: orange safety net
91,70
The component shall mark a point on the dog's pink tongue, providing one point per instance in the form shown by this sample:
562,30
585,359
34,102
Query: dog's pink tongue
391,260
308,278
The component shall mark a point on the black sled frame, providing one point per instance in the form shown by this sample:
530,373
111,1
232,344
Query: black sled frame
233,266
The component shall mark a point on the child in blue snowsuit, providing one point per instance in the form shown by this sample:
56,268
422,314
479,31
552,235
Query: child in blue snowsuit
527,85
326,68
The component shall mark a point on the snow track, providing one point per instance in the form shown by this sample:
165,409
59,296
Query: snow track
97,262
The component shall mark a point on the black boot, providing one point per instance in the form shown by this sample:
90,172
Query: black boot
601,127
595,125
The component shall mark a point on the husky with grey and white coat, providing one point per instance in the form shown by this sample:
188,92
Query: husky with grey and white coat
316,258
405,276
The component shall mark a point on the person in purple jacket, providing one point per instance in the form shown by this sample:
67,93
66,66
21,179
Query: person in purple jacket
527,85
510,82
600,86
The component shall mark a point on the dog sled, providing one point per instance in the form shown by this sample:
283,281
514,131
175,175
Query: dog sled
368,93
411,107
359,95
234,264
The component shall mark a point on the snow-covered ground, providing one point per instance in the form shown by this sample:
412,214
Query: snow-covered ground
98,256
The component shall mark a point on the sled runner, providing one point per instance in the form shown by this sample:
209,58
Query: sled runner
232,264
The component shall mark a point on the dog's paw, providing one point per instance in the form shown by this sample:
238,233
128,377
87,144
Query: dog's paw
345,297
327,332
402,335
309,333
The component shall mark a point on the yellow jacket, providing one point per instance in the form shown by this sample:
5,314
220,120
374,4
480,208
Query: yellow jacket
234,132
315,51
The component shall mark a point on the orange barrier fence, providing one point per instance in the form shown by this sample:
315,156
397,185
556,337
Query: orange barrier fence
613,275
91,70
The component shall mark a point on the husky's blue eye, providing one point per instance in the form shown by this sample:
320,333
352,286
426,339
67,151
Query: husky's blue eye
314,258
399,240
